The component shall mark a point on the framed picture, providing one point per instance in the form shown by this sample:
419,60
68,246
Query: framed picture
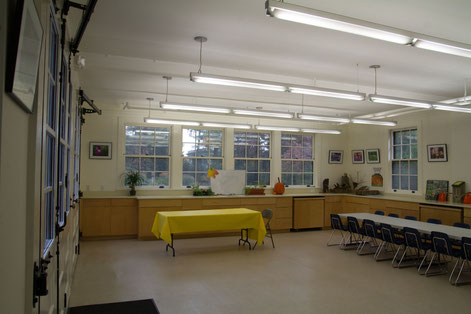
100,150
437,152
358,156
335,156
23,55
372,156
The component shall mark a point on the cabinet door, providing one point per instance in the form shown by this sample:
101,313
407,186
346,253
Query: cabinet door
448,215
308,213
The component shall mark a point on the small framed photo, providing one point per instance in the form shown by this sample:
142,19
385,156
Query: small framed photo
335,156
358,156
100,150
372,156
437,152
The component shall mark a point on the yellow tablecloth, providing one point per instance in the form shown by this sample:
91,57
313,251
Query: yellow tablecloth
172,222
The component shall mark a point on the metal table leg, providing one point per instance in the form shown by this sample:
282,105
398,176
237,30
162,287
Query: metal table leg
170,246
246,239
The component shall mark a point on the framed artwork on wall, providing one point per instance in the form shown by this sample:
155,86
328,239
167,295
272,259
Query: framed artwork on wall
23,55
437,152
358,156
372,156
335,156
100,150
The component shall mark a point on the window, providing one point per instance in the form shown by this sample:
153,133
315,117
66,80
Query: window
297,165
148,151
252,154
50,144
201,150
404,160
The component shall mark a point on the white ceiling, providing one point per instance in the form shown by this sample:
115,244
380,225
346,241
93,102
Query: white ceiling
129,45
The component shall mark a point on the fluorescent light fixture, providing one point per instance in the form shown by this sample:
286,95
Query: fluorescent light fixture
299,14
226,125
452,48
236,81
194,108
374,122
158,121
326,92
321,131
399,101
264,113
322,118
276,128
452,108
460,101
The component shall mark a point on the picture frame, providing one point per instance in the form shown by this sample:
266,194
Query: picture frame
100,150
24,51
358,156
437,153
372,156
335,156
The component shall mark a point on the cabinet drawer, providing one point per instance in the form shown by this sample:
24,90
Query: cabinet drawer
356,200
283,212
333,199
402,205
235,202
123,202
160,203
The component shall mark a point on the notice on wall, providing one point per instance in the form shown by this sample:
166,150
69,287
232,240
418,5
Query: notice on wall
377,177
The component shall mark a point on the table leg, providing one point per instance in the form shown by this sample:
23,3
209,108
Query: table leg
246,239
170,246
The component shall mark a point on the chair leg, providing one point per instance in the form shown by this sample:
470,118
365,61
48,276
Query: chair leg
271,237
423,260
453,271
399,247
461,269
330,238
402,257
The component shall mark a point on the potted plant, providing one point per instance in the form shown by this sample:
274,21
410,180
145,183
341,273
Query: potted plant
258,189
133,179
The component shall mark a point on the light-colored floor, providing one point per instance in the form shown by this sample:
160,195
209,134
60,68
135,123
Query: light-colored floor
301,275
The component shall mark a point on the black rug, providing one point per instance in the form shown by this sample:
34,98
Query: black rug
130,307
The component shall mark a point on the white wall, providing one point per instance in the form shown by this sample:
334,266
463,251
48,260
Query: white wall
434,127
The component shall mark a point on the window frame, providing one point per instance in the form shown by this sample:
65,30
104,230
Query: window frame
223,141
400,160
270,154
140,156
301,159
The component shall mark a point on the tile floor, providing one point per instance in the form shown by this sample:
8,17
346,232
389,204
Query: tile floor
214,275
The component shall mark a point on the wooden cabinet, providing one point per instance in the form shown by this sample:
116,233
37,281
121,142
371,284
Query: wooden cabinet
352,204
108,217
308,213
332,205
403,209
448,215
467,215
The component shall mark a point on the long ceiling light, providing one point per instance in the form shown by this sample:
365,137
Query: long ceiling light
276,128
226,125
321,131
175,122
270,114
171,106
452,48
452,108
317,18
374,122
322,118
235,81
399,101
461,101
299,14
326,92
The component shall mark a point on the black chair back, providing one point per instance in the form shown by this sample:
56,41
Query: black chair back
379,212
441,243
411,218
466,248
393,215
434,221
370,228
461,225
412,237
387,232
353,225
336,222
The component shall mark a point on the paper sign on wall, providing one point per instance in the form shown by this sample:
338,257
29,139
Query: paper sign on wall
377,178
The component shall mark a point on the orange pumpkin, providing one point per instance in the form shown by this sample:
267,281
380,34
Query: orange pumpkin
279,187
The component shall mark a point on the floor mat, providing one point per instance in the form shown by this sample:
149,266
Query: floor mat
130,307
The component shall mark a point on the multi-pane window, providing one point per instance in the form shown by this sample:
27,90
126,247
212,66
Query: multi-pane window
78,125
404,160
201,150
51,136
148,152
252,154
297,163
63,146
